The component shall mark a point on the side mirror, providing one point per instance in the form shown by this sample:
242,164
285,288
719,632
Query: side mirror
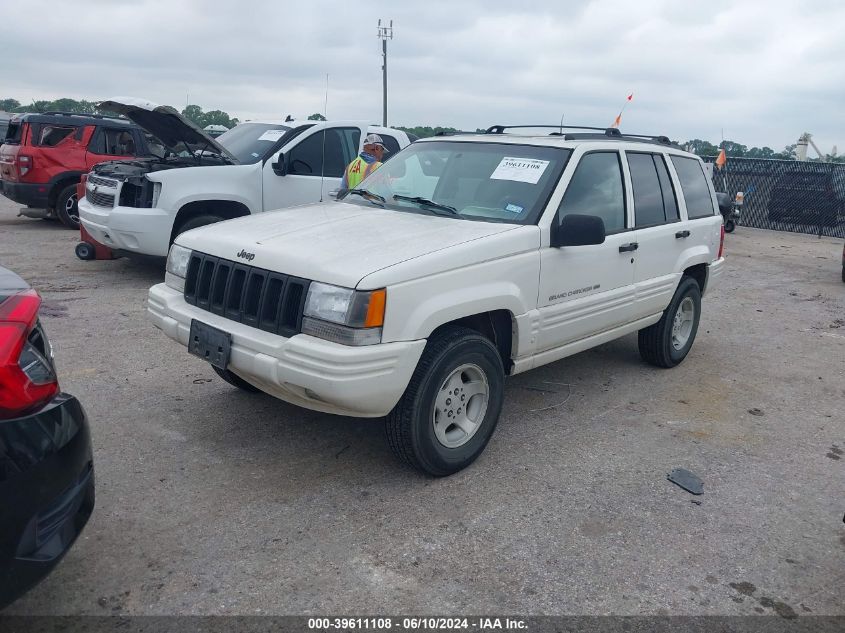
578,230
280,167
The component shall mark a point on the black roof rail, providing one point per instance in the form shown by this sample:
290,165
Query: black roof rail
500,129
90,115
606,133
455,132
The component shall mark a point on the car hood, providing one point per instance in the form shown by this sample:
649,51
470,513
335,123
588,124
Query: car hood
164,122
336,242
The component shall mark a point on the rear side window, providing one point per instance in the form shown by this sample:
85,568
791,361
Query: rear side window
648,199
695,188
14,133
391,144
596,189
52,135
670,200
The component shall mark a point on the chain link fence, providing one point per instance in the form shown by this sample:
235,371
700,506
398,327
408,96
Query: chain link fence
786,195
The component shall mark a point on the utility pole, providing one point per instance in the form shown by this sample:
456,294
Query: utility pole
384,33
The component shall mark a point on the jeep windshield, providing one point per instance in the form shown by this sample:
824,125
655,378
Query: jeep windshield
249,142
491,182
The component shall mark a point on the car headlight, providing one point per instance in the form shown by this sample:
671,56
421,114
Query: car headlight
344,315
177,266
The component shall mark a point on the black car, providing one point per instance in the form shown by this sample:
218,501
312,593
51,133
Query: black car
46,467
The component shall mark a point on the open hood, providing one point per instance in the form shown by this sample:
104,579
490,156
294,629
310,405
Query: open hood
165,123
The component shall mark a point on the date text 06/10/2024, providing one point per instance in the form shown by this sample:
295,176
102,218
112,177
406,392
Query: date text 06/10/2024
414,624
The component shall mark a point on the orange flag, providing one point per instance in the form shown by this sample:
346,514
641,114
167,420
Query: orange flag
617,120
721,159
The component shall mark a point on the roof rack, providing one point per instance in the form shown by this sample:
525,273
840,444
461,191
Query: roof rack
455,132
90,115
607,133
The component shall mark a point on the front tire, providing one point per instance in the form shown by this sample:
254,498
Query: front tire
667,342
67,207
196,222
450,409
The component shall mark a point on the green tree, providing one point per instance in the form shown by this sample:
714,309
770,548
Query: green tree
788,153
702,148
424,131
732,148
218,117
9,105
316,117
760,152
194,114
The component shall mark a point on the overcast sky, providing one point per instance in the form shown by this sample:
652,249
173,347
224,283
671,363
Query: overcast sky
763,71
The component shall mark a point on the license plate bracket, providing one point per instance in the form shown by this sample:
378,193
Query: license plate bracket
210,344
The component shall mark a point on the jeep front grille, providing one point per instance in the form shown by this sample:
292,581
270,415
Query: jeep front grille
253,296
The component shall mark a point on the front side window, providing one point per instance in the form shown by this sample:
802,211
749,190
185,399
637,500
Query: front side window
324,153
694,186
492,182
596,189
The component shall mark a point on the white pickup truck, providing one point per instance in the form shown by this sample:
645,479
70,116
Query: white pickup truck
141,205
462,260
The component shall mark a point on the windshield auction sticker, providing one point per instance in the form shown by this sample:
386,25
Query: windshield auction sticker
272,135
520,169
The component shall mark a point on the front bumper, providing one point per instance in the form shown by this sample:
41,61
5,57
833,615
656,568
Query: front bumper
46,491
364,381
130,229
34,195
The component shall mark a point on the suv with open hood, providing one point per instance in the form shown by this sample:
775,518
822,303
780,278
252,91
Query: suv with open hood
140,206
44,155
460,261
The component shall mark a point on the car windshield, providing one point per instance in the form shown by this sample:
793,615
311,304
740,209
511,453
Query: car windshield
492,182
249,142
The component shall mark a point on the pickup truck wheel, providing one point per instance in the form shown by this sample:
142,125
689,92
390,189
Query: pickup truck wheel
667,342
67,207
451,406
235,380
198,221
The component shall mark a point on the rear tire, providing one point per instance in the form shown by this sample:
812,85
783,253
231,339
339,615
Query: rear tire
235,380
667,342
730,225
85,251
196,222
67,207
452,404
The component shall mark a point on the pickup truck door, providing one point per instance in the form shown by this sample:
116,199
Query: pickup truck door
660,235
586,290
314,162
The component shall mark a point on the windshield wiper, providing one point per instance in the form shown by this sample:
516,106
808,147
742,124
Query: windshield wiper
367,195
428,203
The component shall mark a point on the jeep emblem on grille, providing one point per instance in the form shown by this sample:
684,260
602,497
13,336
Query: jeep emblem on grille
247,256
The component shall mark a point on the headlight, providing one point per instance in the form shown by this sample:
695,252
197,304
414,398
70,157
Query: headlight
177,266
343,315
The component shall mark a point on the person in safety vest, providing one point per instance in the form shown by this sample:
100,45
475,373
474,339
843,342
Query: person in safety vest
366,163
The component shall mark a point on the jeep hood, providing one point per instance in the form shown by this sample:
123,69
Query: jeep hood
165,123
337,242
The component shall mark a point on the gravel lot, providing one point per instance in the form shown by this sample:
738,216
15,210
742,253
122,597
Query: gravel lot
213,501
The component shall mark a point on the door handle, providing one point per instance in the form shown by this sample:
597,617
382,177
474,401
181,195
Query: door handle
681,234
627,248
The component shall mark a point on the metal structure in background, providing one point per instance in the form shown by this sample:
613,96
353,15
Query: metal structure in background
787,195
384,33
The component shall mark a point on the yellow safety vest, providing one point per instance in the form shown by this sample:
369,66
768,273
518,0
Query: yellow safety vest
359,169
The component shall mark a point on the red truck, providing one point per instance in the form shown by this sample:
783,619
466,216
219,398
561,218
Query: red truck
44,155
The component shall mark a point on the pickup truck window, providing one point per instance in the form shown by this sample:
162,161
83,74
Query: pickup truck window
491,182
695,188
250,142
324,153
596,188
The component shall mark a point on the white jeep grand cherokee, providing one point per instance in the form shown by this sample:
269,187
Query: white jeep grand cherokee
460,261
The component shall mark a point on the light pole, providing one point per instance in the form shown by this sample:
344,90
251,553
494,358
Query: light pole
384,33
